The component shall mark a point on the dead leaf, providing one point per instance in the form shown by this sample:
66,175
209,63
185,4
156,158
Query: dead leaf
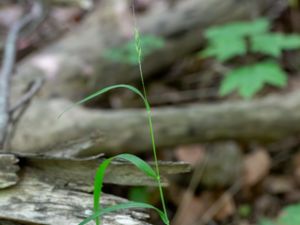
192,154
227,207
190,208
256,167
208,206
279,184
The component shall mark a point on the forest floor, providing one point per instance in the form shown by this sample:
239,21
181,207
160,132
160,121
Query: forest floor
233,181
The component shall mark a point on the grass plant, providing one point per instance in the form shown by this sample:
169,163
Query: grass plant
139,163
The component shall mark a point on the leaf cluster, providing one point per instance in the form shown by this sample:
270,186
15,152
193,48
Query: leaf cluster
241,39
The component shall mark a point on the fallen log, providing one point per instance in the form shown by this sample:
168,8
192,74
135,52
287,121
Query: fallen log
37,199
33,201
53,191
8,170
79,173
262,120
75,65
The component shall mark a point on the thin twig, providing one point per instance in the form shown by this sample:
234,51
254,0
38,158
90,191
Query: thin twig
8,63
215,208
33,88
22,106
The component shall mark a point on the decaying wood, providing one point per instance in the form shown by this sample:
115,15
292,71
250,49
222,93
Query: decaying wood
33,201
262,120
8,170
51,190
79,173
75,66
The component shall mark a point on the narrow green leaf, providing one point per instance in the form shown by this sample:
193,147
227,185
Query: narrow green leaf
98,184
99,178
139,163
123,206
104,90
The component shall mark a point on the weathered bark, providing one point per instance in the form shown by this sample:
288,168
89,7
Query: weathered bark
268,119
58,191
75,65
79,173
8,170
52,190
33,201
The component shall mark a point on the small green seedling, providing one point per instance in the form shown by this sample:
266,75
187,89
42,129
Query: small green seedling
139,194
244,210
139,163
243,39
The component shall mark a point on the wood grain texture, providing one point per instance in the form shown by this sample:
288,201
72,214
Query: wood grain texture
33,201
49,190
79,173
8,170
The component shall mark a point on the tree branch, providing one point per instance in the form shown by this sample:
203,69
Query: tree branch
7,69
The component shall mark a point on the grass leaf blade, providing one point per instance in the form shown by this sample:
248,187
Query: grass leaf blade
105,90
139,163
98,184
127,205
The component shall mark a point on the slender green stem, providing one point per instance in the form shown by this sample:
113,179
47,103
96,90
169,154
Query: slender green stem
161,192
148,107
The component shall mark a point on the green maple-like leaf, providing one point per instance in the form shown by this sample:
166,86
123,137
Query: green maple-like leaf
228,41
291,42
273,43
248,80
225,48
290,215
269,44
238,29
